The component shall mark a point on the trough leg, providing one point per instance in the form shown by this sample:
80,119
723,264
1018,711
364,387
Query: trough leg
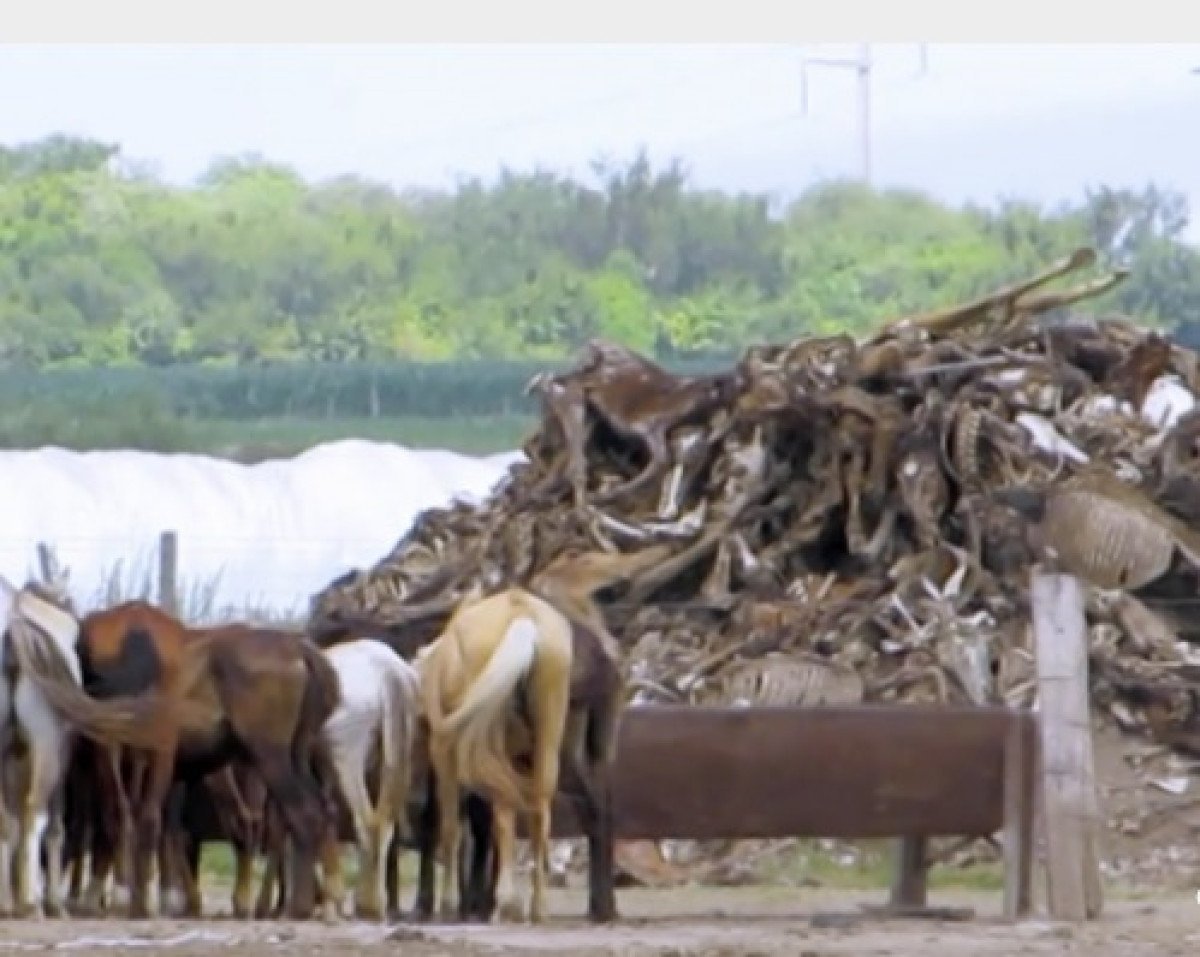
910,877
1020,766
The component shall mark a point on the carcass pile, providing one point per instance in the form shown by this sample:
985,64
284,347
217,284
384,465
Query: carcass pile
856,520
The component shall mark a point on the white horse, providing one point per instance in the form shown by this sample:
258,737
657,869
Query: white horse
35,752
374,726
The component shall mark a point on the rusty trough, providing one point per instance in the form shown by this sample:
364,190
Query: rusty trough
872,771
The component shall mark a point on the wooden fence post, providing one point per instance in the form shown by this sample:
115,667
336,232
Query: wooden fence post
1069,800
46,562
168,570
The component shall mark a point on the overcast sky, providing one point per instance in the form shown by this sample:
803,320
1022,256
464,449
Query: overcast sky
1036,121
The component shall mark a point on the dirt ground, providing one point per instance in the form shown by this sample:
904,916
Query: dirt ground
680,922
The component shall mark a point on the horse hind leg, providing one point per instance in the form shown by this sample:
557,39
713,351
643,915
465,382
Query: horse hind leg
47,766
35,821
551,694
271,885
331,884
392,876
397,738
509,906
478,886
449,828
7,829
56,837
349,767
588,751
303,816
150,815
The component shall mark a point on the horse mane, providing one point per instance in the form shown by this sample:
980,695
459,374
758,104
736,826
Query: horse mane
51,613
53,592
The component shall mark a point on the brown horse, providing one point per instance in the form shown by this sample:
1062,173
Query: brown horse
569,584
187,702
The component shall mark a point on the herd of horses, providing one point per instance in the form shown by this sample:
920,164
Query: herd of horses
129,739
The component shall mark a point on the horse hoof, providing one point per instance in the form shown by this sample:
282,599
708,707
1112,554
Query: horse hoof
85,909
511,912
55,910
27,911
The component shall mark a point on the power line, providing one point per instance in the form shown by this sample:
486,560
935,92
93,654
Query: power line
586,107
862,65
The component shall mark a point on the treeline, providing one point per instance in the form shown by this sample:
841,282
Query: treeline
102,265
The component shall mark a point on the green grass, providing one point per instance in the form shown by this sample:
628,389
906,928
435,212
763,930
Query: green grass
803,862
807,861
218,867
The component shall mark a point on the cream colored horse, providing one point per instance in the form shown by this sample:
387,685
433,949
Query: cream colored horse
495,687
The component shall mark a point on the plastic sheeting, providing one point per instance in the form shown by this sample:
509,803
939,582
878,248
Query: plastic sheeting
254,540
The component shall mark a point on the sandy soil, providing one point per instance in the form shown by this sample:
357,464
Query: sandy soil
685,922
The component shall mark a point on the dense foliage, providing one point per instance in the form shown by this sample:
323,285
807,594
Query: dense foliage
102,265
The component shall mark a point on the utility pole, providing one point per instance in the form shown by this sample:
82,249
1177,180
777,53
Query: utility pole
862,66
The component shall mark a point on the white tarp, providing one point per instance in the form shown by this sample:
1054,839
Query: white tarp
260,538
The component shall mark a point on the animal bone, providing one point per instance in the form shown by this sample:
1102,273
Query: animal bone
875,504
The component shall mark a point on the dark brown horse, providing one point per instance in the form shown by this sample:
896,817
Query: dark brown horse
186,702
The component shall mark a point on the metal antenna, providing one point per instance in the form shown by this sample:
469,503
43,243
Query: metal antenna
862,66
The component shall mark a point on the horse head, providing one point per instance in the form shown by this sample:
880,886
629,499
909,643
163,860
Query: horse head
585,573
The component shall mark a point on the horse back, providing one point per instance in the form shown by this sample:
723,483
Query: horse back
130,648
271,679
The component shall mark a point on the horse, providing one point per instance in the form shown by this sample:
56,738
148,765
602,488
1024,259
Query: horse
189,701
35,753
569,584
477,898
373,729
494,687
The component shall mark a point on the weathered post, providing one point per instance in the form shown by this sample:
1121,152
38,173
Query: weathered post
168,570
1069,800
46,562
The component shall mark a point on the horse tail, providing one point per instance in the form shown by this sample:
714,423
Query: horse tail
509,663
322,694
134,720
479,721
399,734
